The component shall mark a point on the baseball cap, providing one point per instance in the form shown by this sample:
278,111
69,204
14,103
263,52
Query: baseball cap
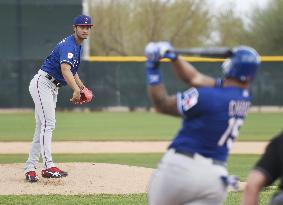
82,20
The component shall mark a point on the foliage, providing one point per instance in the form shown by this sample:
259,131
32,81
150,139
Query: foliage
267,30
231,29
261,30
123,27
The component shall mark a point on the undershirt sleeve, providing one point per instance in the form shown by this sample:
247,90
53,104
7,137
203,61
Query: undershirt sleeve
269,163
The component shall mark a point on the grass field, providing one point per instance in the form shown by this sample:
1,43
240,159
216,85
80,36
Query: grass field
134,199
125,126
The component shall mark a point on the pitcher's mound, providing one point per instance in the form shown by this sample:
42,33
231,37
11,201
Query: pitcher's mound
84,178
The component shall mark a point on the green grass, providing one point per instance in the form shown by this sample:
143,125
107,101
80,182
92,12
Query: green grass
125,126
261,126
92,126
241,164
134,199
142,160
233,198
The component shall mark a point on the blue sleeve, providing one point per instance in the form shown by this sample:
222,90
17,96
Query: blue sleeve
66,54
188,102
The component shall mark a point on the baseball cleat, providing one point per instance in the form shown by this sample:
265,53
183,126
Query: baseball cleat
53,172
31,176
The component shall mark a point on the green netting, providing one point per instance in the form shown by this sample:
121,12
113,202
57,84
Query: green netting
123,83
33,27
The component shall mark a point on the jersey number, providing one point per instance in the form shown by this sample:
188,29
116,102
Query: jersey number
231,132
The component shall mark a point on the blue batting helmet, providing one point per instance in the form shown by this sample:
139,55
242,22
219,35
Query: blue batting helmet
243,64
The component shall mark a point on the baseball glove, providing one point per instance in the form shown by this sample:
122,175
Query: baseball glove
86,95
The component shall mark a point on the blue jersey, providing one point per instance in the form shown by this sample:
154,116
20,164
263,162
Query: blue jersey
211,120
66,51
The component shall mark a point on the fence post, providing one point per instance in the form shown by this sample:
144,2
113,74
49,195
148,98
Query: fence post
19,53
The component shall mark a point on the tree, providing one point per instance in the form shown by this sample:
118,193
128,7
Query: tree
230,29
123,27
266,29
111,21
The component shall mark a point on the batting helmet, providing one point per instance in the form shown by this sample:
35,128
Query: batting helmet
243,64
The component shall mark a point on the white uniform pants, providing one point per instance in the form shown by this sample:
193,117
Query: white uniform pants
183,180
44,94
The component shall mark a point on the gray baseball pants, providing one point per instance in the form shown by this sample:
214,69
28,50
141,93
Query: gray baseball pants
44,94
183,180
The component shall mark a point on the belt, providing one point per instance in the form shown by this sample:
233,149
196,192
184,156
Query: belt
192,155
53,80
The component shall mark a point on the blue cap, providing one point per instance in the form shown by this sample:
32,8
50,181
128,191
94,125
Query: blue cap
82,20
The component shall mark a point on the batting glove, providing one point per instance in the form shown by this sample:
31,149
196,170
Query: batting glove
153,76
166,50
156,51
152,52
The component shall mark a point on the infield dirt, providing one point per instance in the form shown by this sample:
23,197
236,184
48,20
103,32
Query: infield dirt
92,178
119,147
84,178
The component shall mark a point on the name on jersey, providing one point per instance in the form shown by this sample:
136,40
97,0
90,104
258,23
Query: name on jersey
238,108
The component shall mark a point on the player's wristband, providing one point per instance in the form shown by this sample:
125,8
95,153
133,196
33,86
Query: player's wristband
153,75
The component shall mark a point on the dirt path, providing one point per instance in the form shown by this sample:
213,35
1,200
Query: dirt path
119,147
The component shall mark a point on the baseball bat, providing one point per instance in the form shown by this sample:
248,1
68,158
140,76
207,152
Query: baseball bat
211,52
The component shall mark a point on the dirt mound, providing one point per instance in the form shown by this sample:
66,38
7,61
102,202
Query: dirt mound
84,178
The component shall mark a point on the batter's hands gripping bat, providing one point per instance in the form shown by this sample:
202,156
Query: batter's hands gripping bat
211,52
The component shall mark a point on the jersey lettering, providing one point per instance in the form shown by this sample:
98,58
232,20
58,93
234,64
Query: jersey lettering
236,108
232,132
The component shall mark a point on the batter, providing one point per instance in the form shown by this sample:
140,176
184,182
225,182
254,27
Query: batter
193,170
